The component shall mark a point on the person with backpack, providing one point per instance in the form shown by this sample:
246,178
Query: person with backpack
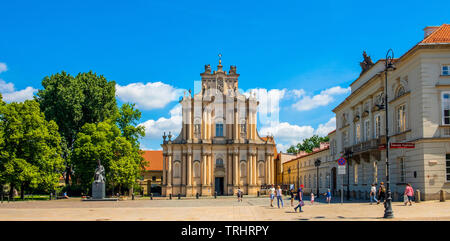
239,194
409,194
381,193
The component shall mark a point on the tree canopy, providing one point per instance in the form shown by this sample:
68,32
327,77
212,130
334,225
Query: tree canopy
30,151
74,101
308,144
103,141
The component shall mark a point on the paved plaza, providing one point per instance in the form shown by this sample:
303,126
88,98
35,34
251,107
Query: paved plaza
209,209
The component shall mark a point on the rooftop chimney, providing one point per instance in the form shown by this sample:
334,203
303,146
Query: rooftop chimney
429,30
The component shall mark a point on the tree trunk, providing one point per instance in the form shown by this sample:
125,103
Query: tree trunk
131,191
11,191
22,192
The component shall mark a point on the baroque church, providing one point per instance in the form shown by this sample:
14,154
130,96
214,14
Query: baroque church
218,149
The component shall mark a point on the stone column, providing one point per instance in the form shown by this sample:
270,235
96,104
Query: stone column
266,170
183,173
189,176
210,169
164,169
169,174
236,170
203,172
272,170
236,124
255,170
249,171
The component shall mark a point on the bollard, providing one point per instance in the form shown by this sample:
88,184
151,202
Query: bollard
2,197
51,196
170,196
196,195
151,196
442,196
258,193
132,196
417,196
179,196
215,194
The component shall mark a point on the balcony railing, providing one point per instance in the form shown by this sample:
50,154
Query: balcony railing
372,144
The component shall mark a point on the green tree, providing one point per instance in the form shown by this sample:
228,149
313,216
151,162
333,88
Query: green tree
74,101
30,151
103,141
127,121
308,144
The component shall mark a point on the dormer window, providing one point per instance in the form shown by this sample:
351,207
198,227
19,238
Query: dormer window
445,70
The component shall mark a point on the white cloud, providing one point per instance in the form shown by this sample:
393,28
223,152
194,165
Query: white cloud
324,98
287,134
20,96
269,104
11,95
3,67
326,128
154,129
148,96
6,87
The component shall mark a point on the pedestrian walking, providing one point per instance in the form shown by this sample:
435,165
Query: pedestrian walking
239,194
272,195
279,197
373,193
299,198
381,193
409,193
312,198
328,196
292,197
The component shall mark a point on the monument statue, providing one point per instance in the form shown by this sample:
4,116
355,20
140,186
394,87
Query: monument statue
366,64
99,175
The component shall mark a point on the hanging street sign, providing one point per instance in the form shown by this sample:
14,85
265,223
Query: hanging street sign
382,147
408,145
341,170
341,161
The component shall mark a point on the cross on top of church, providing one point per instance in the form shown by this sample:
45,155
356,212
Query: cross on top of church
220,58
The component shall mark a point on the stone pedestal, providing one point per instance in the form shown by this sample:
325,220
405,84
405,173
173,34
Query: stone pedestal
252,190
206,191
98,190
189,191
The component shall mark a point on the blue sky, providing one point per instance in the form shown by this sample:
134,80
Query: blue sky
309,48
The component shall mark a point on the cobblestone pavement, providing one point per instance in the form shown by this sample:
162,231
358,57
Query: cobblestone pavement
209,209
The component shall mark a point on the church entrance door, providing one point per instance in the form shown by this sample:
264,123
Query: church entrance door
218,185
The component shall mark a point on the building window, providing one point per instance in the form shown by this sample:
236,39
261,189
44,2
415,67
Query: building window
355,173
358,133
402,173
153,178
363,173
197,130
447,166
445,70
243,128
367,130
243,170
219,129
261,169
219,163
401,118
377,126
445,98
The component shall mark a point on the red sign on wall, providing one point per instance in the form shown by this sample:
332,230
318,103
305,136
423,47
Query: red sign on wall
408,145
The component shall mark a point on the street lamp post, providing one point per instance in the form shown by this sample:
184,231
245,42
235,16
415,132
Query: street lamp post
388,212
317,164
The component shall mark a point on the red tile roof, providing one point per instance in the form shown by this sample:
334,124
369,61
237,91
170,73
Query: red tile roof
275,146
440,35
154,160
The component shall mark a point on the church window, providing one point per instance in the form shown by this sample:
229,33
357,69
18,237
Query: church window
243,170
219,129
219,163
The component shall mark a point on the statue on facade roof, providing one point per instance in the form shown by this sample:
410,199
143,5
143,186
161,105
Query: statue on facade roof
233,69
367,63
207,68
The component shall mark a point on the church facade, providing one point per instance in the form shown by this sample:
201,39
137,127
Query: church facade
218,149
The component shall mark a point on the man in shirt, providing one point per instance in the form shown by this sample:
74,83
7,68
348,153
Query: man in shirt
272,195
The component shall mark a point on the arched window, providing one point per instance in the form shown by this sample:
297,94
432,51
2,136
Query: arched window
219,129
219,162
